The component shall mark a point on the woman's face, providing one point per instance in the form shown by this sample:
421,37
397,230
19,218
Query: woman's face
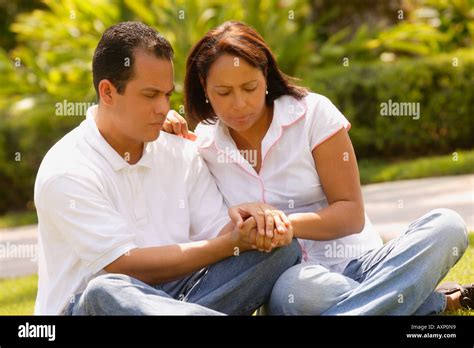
236,91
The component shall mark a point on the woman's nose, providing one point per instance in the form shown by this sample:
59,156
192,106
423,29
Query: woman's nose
239,100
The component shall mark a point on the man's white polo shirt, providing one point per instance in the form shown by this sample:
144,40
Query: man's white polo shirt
93,207
288,177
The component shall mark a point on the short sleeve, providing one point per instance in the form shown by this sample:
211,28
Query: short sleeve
87,220
209,213
325,120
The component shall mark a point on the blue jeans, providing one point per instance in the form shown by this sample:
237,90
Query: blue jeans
397,279
236,286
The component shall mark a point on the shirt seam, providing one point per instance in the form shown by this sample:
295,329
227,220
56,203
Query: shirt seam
347,127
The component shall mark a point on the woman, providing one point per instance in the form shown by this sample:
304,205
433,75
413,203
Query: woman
266,139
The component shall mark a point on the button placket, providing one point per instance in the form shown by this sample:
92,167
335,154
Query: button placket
138,196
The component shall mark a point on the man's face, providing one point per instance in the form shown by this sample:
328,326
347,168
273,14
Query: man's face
139,113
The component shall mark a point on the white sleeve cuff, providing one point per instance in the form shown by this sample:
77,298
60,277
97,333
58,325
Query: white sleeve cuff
111,256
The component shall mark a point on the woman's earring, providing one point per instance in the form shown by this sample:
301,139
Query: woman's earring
207,101
266,92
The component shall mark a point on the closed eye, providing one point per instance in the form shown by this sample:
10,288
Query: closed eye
151,96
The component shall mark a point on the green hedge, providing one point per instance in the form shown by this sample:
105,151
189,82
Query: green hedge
445,93
24,140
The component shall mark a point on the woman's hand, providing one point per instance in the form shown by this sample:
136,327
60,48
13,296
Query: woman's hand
177,125
273,226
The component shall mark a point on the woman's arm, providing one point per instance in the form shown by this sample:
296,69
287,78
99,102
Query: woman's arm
336,164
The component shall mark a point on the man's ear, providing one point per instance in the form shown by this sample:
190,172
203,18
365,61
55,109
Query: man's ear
106,92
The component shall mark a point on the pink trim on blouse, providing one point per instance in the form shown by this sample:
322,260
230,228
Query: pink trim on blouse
303,251
245,169
331,135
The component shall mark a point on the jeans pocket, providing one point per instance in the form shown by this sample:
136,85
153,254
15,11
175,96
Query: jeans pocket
194,283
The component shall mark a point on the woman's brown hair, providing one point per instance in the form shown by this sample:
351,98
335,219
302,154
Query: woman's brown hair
243,41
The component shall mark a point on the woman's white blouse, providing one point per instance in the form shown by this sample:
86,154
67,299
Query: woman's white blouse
288,178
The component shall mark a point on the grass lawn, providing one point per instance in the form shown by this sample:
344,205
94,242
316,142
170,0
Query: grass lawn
463,272
18,219
372,171
17,296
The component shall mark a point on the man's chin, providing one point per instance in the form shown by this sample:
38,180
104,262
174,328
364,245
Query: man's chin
152,136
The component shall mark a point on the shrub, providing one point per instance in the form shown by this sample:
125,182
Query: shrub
443,90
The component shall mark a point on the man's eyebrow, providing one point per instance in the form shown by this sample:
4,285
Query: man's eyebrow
243,84
156,89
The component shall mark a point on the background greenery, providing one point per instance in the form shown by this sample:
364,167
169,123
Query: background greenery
358,53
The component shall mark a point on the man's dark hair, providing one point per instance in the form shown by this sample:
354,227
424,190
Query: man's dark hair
114,55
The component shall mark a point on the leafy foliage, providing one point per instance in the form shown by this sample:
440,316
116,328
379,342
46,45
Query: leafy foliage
53,45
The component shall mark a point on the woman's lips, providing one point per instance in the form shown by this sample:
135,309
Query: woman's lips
242,118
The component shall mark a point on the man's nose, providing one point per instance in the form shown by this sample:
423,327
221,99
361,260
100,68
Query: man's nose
162,105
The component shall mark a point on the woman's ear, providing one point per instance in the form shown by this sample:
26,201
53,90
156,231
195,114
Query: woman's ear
203,85
265,75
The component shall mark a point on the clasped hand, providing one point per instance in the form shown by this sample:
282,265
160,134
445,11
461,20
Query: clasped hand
260,226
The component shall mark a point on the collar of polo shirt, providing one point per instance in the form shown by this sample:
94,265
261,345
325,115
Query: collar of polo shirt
286,111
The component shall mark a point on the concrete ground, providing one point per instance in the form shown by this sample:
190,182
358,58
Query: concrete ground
392,206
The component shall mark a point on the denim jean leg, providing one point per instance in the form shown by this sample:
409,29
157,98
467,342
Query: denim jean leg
308,289
434,304
118,294
399,277
240,284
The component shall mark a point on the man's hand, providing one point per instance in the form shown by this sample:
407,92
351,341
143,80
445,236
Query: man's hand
177,125
272,225
242,236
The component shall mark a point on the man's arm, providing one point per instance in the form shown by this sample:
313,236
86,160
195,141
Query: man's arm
104,240
156,265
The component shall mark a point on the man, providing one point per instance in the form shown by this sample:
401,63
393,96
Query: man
130,223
